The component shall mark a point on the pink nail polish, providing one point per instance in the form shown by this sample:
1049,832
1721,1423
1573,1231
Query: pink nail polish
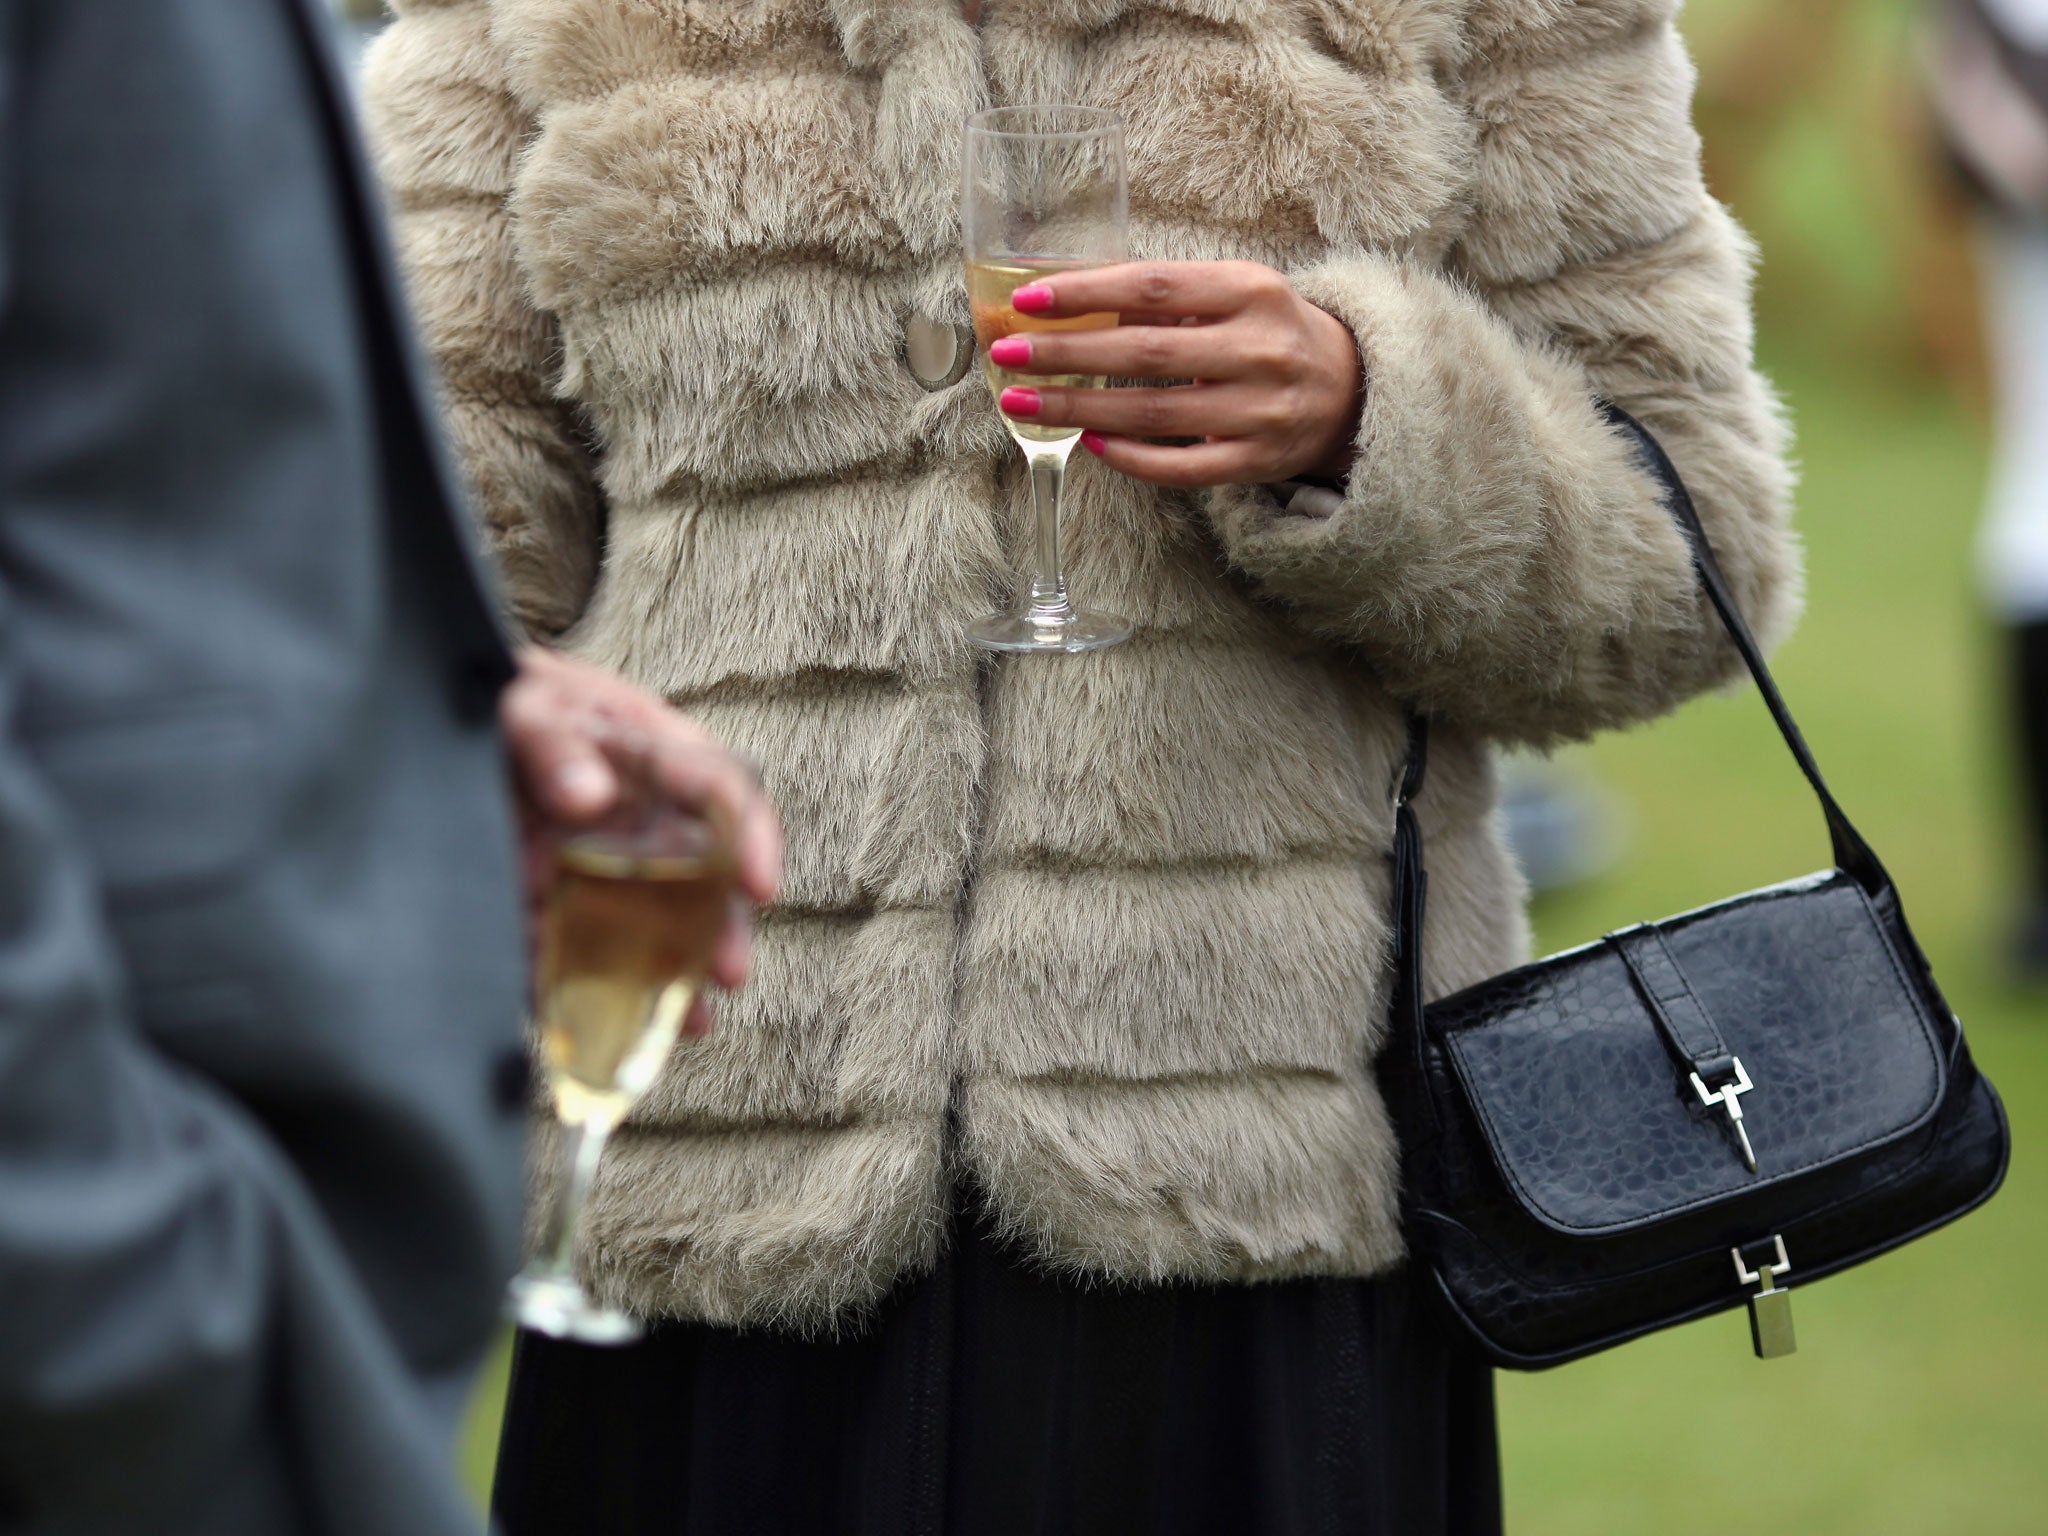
1010,352
1032,299
1094,442
1019,402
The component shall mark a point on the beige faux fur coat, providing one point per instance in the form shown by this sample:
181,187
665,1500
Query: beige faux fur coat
1106,936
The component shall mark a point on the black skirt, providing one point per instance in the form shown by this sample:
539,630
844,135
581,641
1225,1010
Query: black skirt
991,1399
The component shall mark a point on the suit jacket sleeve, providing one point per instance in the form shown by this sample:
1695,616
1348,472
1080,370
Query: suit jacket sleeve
177,1328
447,132
1503,556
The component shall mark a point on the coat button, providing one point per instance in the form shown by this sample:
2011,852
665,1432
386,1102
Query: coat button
512,1080
938,353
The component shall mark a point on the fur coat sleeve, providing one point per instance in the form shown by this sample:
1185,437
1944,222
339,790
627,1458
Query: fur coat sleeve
1502,556
448,132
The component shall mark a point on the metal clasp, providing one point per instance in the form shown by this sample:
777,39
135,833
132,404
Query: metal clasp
1770,1309
1728,1098
1762,1274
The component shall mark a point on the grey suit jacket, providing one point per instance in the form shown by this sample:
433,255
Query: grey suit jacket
260,978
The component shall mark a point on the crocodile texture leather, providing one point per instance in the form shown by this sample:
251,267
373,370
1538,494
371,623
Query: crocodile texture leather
1595,1128
1563,1180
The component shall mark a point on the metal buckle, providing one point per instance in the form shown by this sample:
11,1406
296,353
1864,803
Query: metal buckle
1770,1309
1763,1274
1727,1098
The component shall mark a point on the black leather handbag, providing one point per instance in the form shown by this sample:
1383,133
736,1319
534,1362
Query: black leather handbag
1690,1113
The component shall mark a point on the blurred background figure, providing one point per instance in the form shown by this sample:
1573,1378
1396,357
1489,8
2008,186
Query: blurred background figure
1987,72
1561,826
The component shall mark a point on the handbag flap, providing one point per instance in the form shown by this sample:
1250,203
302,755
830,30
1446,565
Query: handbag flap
1596,1126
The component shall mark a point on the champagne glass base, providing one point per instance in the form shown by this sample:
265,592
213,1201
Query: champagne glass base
557,1307
1069,631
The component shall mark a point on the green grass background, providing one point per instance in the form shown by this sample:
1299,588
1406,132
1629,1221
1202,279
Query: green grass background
1918,1402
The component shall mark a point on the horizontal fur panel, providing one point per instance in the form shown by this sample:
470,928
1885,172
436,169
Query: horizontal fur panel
1182,234
847,1019
876,575
777,166
876,783
738,424
1676,310
1582,157
1142,552
790,374
783,332
1235,1178
1038,50
1090,764
1130,973
790,1227
1277,134
578,50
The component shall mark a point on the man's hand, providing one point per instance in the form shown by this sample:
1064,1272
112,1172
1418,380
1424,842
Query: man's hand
557,714
1277,390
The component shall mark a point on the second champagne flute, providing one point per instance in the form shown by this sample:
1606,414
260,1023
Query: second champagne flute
1046,191
638,905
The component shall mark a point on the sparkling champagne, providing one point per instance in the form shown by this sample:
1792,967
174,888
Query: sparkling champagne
989,286
630,940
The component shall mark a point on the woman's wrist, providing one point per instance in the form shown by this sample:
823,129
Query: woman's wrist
1340,372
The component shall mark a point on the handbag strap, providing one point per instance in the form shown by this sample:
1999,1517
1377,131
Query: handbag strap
1852,854
1689,1031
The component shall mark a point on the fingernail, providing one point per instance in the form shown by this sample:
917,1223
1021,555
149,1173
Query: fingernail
1094,442
583,781
1010,352
1019,402
1032,299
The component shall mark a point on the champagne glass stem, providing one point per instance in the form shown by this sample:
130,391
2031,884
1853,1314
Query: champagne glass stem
581,1151
1049,602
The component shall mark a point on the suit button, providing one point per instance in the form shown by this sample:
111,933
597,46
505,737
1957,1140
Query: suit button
512,1080
938,354
479,683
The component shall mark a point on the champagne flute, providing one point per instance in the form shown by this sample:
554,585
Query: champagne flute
634,917
1046,191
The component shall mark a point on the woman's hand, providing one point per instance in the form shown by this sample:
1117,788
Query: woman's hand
1278,384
